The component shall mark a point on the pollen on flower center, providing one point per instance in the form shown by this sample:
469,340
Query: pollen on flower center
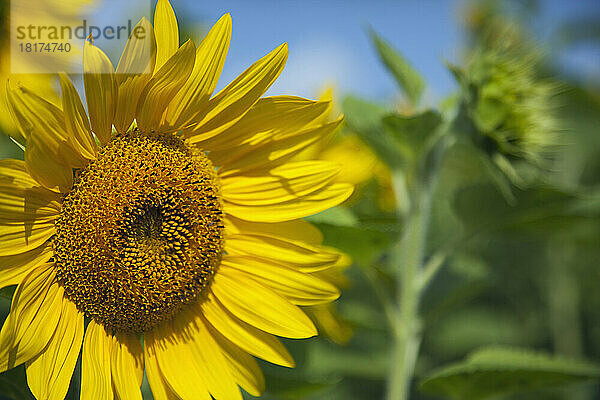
140,234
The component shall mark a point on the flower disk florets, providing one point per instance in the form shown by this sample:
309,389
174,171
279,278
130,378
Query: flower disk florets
140,234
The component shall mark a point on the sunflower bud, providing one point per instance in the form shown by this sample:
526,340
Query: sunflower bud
509,104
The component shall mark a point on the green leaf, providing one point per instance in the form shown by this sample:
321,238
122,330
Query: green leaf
364,118
540,211
10,148
8,292
289,388
580,116
406,76
337,216
363,243
471,327
13,384
324,360
413,133
458,73
494,371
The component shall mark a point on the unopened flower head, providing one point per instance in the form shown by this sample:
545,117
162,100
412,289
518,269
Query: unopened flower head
511,106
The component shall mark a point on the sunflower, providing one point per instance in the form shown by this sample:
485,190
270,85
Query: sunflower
163,234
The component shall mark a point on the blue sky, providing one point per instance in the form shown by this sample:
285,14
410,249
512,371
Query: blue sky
329,45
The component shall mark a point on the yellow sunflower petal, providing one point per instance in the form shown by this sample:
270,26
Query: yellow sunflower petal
291,253
35,204
231,103
161,88
270,116
22,126
313,203
49,374
359,161
14,268
49,155
15,172
259,306
247,337
335,274
33,319
27,212
45,123
76,120
21,237
298,287
284,183
127,365
329,323
297,229
167,32
327,96
210,58
96,380
243,366
18,238
133,72
343,261
21,198
158,383
42,166
100,90
270,153
208,356
167,355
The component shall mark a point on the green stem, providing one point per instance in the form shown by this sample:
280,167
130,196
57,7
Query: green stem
385,300
407,258
431,268
564,305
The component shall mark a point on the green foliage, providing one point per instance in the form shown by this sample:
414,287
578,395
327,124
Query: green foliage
365,118
498,211
7,292
405,75
363,244
13,385
579,161
9,148
324,359
542,210
338,216
413,135
493,371
398,140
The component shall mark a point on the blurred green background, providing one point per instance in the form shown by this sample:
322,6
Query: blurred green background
513,239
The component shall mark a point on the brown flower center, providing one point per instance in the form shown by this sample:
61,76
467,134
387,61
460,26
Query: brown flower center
140,235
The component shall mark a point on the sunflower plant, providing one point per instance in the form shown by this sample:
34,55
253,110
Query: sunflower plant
458,174
160,233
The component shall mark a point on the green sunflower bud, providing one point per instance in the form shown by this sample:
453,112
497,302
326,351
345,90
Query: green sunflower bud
509,104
